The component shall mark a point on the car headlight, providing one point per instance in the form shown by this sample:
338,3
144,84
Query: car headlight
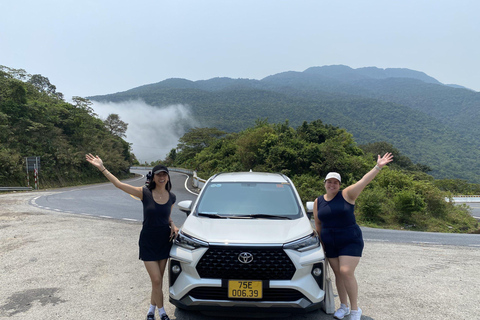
304,244
188,242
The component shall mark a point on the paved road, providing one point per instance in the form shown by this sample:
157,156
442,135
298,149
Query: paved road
104,200
399,236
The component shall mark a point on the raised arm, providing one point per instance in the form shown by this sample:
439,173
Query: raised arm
98,163
352,192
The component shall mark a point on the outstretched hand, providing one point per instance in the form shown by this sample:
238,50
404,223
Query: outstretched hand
387,158
94,160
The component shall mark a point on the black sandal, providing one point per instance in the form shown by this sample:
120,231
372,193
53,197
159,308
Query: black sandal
151,316
164,317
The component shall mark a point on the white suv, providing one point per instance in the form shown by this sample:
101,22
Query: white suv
247,244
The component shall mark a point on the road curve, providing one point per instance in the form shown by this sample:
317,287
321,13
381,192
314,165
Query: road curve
106,201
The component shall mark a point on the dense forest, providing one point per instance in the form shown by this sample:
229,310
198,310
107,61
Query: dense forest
35,121
402,196
431,123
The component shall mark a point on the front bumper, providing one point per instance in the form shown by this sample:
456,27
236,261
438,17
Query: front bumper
302,305
302,293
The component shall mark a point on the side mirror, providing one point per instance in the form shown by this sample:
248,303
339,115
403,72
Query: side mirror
185,206
309,207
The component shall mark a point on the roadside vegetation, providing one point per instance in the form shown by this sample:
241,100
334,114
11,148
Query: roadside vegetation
403,196
35,121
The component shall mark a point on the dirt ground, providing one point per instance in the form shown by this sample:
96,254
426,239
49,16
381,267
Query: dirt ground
62,266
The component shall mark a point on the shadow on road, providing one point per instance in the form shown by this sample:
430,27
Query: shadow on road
195,315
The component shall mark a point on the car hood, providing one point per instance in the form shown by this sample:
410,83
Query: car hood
258,231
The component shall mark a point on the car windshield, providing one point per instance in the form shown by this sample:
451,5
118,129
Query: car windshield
243,200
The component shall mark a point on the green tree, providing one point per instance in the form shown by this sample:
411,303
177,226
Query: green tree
115,125
195,140
396,198
43,85
34,121
83,104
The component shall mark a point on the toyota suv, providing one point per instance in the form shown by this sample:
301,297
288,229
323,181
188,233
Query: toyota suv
247,245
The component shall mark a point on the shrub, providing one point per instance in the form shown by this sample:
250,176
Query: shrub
407,202
371,206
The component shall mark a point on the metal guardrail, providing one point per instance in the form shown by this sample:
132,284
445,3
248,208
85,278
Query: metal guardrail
466,196
16,188
197,182
464,199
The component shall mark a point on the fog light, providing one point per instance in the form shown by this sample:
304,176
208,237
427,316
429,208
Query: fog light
176,269
317,272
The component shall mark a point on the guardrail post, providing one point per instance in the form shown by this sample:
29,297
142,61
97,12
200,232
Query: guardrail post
195,179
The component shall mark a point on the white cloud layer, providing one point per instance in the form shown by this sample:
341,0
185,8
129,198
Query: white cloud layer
152,131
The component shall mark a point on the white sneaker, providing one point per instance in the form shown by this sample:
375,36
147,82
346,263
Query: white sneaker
356,314
342,312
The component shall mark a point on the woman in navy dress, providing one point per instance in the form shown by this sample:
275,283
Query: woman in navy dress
158,229
341,236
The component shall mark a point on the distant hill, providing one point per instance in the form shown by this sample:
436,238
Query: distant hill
432,123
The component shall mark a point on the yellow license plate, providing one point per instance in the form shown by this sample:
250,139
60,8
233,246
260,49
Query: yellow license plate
245,289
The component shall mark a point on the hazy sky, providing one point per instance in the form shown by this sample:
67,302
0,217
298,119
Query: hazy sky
97,47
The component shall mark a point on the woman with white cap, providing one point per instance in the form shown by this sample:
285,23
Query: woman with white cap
158,229
341,236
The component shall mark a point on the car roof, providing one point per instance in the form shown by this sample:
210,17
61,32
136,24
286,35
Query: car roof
250,177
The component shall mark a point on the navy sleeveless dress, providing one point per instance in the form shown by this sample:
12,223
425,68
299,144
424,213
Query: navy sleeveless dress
340,233
154,242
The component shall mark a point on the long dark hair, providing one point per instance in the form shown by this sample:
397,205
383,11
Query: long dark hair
152,184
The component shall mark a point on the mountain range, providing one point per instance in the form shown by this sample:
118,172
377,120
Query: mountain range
432,123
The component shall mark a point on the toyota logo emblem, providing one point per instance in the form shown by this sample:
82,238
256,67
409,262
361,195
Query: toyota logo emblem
245,257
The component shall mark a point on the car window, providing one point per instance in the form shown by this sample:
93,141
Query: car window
238,199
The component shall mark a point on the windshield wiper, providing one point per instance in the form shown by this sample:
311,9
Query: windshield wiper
262,215
211,215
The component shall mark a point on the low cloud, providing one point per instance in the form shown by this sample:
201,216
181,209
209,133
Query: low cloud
152,131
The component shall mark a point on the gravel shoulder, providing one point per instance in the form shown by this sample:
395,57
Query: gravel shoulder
62,266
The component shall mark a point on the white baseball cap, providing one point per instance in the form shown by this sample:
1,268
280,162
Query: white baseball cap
333,175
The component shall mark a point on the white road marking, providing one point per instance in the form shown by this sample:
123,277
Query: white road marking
425,242
186,185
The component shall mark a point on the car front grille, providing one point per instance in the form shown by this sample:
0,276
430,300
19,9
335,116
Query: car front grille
269,263
269,294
